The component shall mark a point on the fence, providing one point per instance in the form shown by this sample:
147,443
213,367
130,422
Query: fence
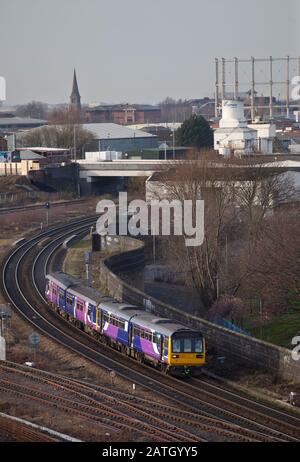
10,168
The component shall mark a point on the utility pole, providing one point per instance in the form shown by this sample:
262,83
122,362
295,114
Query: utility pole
173,133
287,87
261,317
217,89
299,74
253,89
223,79
236,78
75,147
271,87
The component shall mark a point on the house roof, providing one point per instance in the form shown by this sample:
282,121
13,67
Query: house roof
30,155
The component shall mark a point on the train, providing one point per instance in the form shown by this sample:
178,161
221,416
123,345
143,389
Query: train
166,344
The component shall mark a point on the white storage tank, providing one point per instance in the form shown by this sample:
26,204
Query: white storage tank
232,114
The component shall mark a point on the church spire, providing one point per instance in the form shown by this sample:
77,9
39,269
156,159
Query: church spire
75,95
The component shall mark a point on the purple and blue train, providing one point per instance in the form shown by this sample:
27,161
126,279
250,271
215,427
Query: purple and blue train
165,343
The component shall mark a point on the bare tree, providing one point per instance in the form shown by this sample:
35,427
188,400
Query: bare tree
34,109
274,267
64,131
239,196
65,116
229,307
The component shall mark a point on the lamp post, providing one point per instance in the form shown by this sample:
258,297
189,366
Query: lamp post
74,141
173,134
216,277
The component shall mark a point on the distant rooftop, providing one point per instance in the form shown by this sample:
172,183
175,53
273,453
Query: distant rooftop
43,149
121,107
29,155
115,131
22,121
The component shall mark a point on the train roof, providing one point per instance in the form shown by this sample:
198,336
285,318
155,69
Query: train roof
89,293
122,310
62,279
163,326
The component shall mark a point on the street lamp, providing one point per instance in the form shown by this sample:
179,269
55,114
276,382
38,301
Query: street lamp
173,134
216,277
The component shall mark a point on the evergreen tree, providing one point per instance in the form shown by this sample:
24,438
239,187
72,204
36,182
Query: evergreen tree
195,132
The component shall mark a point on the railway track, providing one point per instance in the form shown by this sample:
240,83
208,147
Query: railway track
20,431
24,208
230,413
152,412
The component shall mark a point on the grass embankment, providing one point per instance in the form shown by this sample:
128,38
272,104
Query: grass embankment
74,262
279,331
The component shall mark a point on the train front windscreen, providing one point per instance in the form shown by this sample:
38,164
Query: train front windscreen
185,342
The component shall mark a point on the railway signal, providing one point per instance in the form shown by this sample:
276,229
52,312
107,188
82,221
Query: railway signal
47,207
5,320
34,342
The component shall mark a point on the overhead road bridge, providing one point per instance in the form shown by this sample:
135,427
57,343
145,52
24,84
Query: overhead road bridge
121,168
94,176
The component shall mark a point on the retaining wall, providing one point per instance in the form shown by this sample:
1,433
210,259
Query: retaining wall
243,349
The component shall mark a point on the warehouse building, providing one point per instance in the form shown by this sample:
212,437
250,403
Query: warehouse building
114,137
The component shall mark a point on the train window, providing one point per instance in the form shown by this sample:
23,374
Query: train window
176,347
156,338
182,344
122,325
89,312
198,345
187,348
137,332
69,300
79,306
105,317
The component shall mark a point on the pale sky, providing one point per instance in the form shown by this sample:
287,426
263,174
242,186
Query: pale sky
135,50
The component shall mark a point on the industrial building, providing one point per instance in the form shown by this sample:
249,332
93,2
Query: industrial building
236,137
113,137
156,184
123,114
14,124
